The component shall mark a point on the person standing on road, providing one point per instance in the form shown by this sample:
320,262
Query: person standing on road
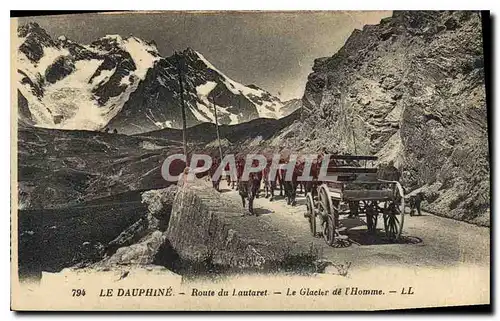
415,201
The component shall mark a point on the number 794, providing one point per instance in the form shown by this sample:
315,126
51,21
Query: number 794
78,292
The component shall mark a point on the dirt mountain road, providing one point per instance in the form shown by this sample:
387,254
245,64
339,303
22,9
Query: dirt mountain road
428,241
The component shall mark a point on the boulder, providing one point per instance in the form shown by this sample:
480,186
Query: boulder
159,204
142,253
144,242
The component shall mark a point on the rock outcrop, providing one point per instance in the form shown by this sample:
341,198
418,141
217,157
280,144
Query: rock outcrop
207,228
145,242
410,89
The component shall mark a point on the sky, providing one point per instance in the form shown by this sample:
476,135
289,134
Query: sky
273,50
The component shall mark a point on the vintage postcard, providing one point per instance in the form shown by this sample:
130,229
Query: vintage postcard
221,161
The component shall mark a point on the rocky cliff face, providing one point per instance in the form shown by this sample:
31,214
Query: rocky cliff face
410,89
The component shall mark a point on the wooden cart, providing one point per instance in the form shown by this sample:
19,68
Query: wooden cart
353,188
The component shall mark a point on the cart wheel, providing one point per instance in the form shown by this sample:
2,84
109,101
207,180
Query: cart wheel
371,217
312,217
309,206
393,222
324,212
329,230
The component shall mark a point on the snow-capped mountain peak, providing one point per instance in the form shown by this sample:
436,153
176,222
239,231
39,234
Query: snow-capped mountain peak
123,83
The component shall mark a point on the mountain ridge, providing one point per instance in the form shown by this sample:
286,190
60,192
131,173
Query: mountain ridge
124,84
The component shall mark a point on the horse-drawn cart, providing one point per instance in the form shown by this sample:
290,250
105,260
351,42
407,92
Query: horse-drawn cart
353,188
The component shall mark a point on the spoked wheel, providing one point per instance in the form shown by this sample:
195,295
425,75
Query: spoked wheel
326,216
329,213
371,216
311,214
393,221
330,234
309,206
329,230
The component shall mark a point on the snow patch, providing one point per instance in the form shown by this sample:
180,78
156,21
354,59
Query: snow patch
49,56
268,110
140,53
206,106
125,81
203,118
205,89
150,146
165,124
116,38
203,113
103,76
234,119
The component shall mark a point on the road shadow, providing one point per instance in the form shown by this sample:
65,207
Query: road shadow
262,211
301,201
225,190
358,233
378,237
278,197
351,223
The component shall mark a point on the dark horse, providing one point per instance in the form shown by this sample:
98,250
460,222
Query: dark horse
290,186
311,186
249,189
270,183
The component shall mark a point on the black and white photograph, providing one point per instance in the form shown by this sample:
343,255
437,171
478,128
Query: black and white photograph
250,160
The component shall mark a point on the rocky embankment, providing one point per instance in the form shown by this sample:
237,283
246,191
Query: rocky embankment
206,226
191,227
410,89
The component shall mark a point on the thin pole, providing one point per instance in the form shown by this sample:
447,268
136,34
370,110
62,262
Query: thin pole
354,139
217,128
183,108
